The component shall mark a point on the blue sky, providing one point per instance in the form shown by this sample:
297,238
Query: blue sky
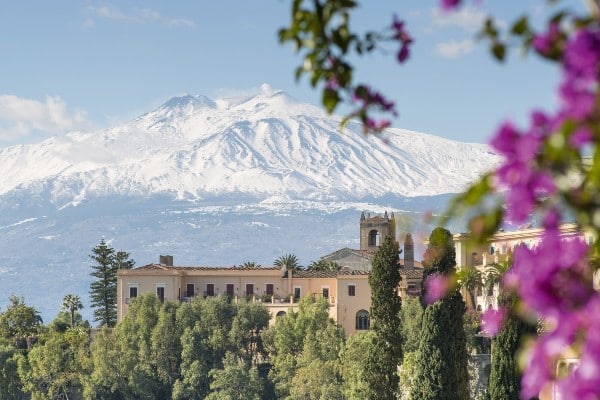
85,65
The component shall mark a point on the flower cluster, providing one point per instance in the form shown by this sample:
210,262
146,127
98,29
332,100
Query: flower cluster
402,36
436,287
491,321
527,184
553,280
368,99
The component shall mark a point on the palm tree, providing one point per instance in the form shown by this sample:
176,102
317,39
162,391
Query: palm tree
469,278
323,265
250,264
72,303
494,274
289,262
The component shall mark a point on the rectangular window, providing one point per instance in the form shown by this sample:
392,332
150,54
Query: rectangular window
210,289
326,293
133,291
351,290
160,293
297,293
269,289
249,289
230,289
190,288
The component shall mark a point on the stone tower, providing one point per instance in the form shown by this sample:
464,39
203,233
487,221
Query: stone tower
409,251
374,229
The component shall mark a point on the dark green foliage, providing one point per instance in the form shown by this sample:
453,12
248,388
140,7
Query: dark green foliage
236,380
288,262
10,384
440,256
323,265
103,290
62,322
354,365
19,322
386,352
505,379
411,317
72,303
442,356
122,261
52,369
304,348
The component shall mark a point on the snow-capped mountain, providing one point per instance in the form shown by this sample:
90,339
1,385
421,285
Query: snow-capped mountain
267,145
212,182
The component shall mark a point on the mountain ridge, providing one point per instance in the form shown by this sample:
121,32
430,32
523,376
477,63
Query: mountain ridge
198,150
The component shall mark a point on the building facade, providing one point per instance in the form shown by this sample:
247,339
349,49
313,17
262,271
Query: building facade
347,292
499,249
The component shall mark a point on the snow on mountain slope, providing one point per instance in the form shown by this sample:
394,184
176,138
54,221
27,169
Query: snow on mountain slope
263,145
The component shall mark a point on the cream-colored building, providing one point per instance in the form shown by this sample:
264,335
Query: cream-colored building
347,291
499,249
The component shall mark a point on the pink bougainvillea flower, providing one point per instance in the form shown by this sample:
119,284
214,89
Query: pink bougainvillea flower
542,43
553,278
581,137
449,4
491,321
436,288
402,36
578,103
505,139
582,54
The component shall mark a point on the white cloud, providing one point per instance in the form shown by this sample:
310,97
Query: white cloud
177,22
467,18
454,48
143,15
20,117
108,12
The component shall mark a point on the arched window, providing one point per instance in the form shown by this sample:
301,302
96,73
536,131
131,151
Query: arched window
374,238
280,314
363,321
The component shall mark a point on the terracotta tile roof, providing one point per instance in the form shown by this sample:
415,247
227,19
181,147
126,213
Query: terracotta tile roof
315,274
155,267
353,272
412,273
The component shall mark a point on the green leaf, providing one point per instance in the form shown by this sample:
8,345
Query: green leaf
521,26
331,99
498,51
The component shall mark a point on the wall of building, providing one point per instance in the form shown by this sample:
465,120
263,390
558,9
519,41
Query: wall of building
343,307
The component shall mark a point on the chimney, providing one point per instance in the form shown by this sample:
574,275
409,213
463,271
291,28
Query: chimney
409,252
166,260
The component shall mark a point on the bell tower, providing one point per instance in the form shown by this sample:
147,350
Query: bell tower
409,251
374,229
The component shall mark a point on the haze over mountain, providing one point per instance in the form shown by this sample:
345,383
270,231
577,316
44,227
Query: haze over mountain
212,182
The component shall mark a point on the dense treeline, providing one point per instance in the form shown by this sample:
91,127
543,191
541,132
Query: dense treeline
216,349
206,349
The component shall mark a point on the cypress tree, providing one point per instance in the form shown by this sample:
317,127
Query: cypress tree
442,356
386,353
505,379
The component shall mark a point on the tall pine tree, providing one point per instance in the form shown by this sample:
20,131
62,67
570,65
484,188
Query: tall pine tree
442,356
385,355
103,290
